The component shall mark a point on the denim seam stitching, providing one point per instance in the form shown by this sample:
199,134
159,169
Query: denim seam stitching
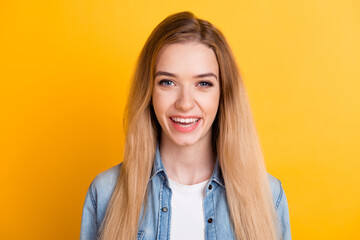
280,196
93,201
142,233
215,218
168,232
161,206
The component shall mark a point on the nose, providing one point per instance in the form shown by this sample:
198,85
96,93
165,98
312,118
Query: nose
185,100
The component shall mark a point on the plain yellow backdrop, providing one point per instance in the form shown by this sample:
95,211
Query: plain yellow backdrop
65,69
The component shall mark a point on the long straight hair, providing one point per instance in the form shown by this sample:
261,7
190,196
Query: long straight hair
234,140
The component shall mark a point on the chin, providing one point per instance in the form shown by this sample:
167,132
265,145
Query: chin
185,142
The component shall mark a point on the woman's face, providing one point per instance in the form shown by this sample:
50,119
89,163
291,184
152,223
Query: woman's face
186,92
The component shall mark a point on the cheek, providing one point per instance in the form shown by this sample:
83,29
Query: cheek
210,103
213,107
160,103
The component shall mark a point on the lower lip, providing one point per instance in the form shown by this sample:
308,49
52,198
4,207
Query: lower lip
185,129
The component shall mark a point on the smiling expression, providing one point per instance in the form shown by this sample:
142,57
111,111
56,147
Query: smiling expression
186,92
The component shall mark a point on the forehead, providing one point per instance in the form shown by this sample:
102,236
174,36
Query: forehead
187,58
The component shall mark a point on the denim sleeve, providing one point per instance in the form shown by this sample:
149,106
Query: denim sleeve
89,226
283,215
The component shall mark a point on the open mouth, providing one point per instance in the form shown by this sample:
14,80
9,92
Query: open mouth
185,122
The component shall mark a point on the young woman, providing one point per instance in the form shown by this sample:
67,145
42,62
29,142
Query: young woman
193,167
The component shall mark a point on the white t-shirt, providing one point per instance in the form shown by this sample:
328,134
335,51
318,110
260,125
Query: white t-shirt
187,211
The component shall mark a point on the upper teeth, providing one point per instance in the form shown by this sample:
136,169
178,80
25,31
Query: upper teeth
184,120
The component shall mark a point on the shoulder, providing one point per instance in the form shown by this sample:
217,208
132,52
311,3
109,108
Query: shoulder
276,190
104,183
102,187
281,206
101,190
96,201
108,177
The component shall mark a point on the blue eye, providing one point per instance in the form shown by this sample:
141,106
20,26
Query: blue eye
166,82
205,84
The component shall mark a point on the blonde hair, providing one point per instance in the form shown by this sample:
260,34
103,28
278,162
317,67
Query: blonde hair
234,140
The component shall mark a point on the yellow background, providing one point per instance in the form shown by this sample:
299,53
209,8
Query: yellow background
65,68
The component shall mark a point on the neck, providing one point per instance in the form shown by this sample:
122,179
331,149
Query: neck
188,164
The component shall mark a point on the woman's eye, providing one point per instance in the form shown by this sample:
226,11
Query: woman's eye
166,82
205,84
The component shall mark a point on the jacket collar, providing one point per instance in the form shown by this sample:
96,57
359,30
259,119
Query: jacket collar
158,168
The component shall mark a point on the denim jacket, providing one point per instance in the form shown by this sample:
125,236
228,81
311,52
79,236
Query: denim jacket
156,222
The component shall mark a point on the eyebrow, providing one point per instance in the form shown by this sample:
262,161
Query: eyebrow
203,75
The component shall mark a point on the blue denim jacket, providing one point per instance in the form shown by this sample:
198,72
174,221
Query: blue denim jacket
156,222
